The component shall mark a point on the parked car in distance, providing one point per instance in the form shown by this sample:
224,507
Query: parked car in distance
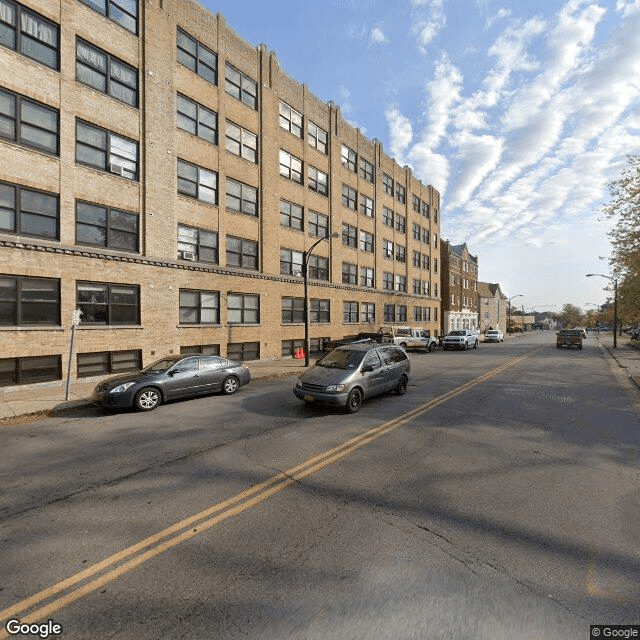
460,339
352,373
494,335
569,338
175,376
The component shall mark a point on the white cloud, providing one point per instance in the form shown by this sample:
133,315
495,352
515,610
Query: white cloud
378,37
400,129
429,19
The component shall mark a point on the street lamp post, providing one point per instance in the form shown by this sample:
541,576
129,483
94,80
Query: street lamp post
615,304
520,295
305,272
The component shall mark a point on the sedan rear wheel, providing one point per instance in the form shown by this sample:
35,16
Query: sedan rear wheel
147,399
230,385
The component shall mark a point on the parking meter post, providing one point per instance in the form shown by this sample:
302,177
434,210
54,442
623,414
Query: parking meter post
75,321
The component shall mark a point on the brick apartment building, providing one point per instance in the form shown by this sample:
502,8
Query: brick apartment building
459,287
164,177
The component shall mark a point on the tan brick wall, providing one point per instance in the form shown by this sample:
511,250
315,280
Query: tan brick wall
156,268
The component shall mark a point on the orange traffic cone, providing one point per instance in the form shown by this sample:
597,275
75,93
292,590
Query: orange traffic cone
299,354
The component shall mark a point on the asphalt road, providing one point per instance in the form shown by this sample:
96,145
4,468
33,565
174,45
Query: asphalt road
499,498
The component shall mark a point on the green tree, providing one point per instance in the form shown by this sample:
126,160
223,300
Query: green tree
624,210
571,316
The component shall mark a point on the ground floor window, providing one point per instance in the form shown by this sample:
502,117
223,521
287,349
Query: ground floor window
105,362
243,351
204,349
16,371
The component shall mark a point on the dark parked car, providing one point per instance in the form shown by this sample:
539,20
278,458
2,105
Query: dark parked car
171,377
569,338
351,373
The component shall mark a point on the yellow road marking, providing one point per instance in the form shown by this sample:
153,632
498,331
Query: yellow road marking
188,528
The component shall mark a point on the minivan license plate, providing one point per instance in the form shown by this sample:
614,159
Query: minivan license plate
309,398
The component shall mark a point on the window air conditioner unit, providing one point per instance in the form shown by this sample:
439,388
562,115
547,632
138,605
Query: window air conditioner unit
187,255
116,168
296,272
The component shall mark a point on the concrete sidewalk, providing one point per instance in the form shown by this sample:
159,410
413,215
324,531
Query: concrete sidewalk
46,400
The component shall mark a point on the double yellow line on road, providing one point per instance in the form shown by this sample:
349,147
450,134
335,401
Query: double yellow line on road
79,585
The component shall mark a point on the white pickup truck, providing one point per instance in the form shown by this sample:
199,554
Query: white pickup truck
410,338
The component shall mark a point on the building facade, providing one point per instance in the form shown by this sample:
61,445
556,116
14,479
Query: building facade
492,307
459,288
165,178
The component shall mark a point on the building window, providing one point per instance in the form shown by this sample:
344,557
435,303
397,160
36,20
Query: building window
367,312
387,216
416,232
366,241
318,181
349,158
387,249
401,283
242,198
366,170
401,253
291,262
319,311
29,212
108,304
349,273
28,123
243,308
290,167
101,149
317,137
435,241
197,120
198,244
417,288
108,362
18,371
195,56
395,313
415,202
203,349
425,236
29,301
318,224
401,223
122,12
416,259
387,281
199,307
290,119
291,215
435,265
242,253
197,182
349,197
102,226
387,183
241,86
318,268
350,312
35,37
349,235
241,351
105,73
367,277
401,193
241,142
291,347
425,210
292,310
367,206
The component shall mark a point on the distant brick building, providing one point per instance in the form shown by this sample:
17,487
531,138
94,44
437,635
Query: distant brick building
459,287
165,177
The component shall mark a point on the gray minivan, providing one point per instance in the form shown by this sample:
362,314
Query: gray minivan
349,374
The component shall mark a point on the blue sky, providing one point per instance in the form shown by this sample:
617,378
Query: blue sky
519,112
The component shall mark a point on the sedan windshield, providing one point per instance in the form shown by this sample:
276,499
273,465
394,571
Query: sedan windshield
160,366
457,333
339,359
